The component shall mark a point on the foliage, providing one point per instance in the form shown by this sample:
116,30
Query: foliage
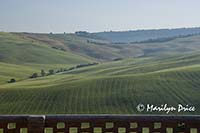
12,81
34,75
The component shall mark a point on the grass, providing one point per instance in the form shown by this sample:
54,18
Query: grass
22,72
94,49
21,56
108,88
19,50
114,87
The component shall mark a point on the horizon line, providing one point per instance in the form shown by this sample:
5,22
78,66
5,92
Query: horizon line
131,30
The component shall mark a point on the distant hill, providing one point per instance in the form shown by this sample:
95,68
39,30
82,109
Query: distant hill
76,49
157,71
100,50
143,35
169,47
92,48
18,49
109,88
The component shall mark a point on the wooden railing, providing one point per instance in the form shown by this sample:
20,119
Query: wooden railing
99,124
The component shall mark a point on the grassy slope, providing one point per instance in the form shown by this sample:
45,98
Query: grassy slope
94,49
22,72
21,56
17,49
108,88
105,51
172,47
113,87
144,35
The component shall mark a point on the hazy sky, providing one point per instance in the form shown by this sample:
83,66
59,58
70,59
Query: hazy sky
97,15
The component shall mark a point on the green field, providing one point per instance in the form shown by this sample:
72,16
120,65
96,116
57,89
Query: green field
169,76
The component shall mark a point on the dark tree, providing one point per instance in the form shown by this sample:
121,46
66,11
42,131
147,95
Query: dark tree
57,71
51,72
34,75
12,81
42,72
71,68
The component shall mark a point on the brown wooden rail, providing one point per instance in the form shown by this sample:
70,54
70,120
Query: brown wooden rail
99,124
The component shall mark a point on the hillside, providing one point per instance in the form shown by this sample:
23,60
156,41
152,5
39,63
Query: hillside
181,45
18,49
144,35
20,57
94,49
116,87
84,75
100,50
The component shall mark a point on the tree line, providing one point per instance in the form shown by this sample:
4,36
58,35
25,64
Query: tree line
52,71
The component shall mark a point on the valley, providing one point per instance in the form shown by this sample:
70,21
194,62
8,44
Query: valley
124,74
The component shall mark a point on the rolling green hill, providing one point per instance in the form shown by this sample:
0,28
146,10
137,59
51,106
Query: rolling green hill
162,72
18,49
21,56
182,45
100,50
143,35
114,87
94,49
